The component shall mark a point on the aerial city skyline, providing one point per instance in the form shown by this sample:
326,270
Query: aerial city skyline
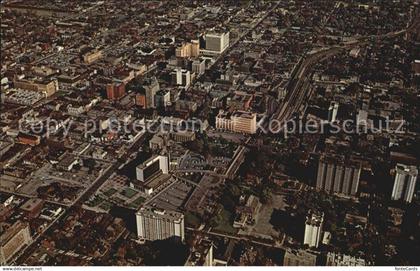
210,133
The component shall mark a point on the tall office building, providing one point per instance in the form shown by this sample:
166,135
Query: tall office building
201,254
313,228
362,118
188,49
404,183
150,168
217,42
114,91
199,66
332,112
416,67
338,176
186,78
195,48
184,50
181,77
156,224
162,98
177,77
151,87
140,100
13,240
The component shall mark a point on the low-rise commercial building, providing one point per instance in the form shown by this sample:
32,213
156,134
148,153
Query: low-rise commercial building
294,257
238,122
335,259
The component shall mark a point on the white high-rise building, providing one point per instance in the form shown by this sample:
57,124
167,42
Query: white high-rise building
178,76
181,77
155,165
362,118
199,66
332,112
313,229
404,183
217,42
186,78
157,224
